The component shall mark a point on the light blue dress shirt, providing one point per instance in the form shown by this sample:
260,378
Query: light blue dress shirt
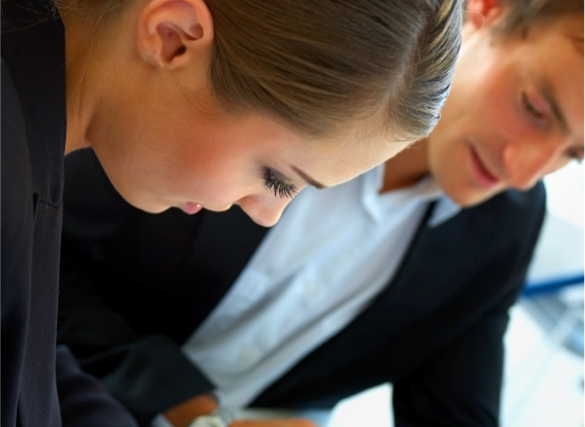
331,253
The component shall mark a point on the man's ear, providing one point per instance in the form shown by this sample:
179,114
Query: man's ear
482,12
171,32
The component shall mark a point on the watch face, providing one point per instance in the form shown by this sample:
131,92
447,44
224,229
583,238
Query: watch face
208,421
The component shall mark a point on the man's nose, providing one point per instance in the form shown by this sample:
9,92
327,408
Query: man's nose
264,210
525,163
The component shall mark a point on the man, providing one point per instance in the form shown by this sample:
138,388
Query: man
405,274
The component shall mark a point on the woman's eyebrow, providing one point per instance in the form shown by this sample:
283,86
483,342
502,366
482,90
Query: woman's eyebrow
308,179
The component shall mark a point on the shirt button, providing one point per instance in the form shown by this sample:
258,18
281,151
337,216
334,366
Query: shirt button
312,290
248,354
255,288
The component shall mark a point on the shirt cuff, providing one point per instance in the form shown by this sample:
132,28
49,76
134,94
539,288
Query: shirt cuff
160,421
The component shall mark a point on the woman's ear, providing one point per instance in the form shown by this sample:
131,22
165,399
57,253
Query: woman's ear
171,33
482,12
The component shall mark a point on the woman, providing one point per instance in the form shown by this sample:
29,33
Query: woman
193,104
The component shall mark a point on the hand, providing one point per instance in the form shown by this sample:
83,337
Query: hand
182,414
289,422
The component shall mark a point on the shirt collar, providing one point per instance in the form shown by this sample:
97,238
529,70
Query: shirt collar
426,190
444,210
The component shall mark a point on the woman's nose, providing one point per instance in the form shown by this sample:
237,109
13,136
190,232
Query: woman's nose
264,210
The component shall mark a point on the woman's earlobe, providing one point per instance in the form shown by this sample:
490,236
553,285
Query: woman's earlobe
169,30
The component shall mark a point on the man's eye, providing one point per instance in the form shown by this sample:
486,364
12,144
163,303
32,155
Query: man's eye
276,185
529,106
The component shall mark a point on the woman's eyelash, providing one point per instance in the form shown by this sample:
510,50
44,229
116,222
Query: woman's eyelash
530,107
277,186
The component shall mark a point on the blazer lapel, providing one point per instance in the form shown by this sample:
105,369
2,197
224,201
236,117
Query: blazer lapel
440,261
421,285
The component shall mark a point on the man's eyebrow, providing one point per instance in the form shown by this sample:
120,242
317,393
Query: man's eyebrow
549,96
308,179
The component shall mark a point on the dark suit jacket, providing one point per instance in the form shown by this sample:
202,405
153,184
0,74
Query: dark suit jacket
41,386
143,283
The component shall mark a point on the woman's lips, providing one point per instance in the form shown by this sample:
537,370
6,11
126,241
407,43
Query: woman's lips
483,176
191,208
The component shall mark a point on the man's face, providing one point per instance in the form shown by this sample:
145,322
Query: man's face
515,112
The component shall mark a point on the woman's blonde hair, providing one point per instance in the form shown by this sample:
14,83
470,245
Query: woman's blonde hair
319,65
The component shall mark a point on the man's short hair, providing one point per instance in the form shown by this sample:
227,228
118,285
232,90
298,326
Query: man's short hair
521,14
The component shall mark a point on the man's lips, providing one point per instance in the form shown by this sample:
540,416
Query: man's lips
482,174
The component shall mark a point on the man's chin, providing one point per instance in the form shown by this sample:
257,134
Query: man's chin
469,199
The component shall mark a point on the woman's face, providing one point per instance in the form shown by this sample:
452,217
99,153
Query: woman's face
168,153
142,100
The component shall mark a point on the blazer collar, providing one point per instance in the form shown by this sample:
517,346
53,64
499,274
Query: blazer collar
33,47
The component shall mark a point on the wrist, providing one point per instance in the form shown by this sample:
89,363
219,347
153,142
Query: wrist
184,413
221,417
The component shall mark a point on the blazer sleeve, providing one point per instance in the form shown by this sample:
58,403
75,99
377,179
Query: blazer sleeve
147,372
84,402
461,384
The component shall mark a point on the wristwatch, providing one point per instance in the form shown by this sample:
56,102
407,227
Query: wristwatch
221,417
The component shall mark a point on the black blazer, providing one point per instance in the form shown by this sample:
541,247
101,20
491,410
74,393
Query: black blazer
41,386
135,286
